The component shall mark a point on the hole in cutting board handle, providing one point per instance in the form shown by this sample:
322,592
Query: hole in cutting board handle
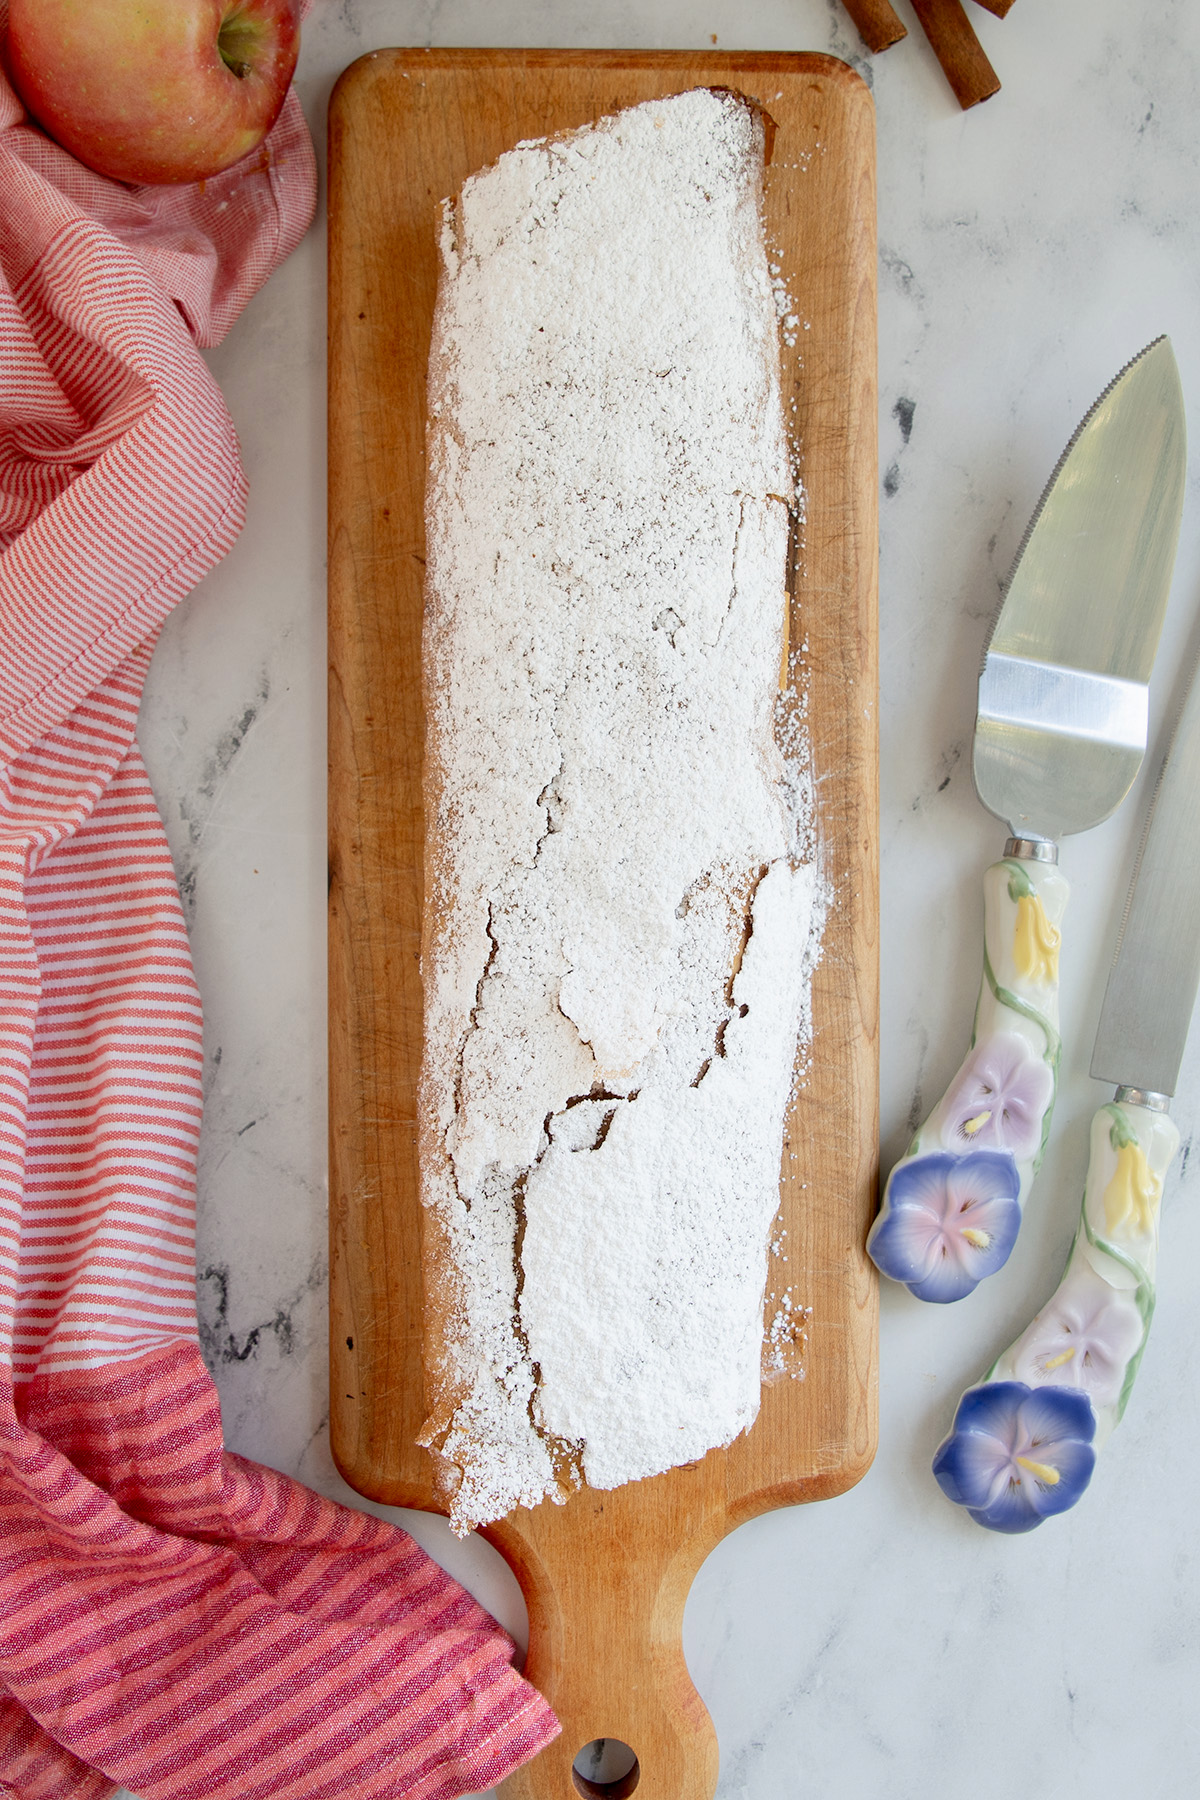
605,1769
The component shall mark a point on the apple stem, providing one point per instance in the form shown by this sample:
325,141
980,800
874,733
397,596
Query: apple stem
236,36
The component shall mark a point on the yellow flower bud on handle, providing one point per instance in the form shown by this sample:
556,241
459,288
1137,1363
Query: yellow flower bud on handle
1132,1196
1035,941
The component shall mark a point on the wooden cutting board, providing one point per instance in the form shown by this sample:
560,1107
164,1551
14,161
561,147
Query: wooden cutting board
605,1577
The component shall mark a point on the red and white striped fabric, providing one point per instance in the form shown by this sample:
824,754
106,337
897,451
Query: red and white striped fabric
172,1618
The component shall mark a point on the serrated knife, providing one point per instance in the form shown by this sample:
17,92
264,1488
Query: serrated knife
1025,1438
1060,735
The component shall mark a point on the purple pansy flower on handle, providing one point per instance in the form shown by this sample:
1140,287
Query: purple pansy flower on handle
999,1098
1017,1454
1084,1338
947,1221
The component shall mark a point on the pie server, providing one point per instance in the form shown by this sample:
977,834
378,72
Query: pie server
1025,1438
1059,737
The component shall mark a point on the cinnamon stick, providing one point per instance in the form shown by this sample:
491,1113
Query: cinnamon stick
996,7
879,26
958,50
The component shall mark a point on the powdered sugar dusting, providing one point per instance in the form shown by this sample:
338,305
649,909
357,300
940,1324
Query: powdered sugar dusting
785,1339
622,903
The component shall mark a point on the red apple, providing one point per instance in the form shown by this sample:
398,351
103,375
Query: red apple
154,90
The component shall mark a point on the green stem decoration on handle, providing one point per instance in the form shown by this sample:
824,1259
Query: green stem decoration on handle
1025,1438
952,1205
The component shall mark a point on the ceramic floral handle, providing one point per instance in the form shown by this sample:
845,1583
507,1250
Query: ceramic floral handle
1025,1439
952,1205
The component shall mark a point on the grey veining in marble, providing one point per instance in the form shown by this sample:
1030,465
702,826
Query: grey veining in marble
879,1644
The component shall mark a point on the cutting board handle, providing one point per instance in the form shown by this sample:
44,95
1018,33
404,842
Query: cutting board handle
606,1649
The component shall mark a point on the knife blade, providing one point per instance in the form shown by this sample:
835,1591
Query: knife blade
1060,736
1152,984
1025,1439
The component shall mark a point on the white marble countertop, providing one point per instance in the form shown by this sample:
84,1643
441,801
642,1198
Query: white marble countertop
878,1644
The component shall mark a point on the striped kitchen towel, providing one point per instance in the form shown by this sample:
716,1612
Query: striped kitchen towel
173,1618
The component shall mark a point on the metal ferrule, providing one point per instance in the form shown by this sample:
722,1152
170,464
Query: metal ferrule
1133,1096
1042,850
